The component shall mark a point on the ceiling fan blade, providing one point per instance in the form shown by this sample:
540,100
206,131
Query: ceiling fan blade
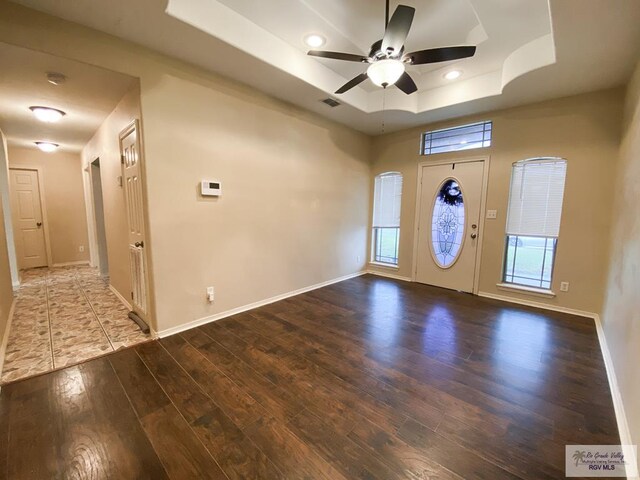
349,57
352,83
435,55
406,84
397,30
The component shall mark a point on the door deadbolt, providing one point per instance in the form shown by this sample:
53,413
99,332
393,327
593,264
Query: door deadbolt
474,226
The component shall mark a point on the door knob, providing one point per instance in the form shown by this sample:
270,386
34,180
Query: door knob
39,224
139,244
474,236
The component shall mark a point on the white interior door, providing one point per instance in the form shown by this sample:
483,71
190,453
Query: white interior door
132,183
26,209
449,224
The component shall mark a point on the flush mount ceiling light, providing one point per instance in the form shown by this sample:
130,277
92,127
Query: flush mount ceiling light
314,40
47,146
47,114
385,72
452,75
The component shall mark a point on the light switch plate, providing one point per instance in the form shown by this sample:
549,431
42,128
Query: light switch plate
492,214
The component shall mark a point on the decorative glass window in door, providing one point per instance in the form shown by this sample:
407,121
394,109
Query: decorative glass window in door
447,223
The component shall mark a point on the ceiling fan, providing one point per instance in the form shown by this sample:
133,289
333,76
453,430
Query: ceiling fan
387,60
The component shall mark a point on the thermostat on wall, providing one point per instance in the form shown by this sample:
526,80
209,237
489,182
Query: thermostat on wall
211,188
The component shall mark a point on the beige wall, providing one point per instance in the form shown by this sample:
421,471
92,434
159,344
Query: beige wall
105,146
64,200
621,316
295,203
585,130
294,207
6,287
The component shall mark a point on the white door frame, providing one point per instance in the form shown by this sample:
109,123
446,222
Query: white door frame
483,202
43,208
89,207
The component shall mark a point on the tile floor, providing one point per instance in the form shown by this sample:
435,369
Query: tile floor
64,316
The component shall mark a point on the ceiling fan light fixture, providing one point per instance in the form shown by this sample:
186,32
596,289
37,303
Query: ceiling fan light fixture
314,40
47,114
47,146
385,72
452,75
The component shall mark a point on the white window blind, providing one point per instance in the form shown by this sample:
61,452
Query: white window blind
386,202
535,200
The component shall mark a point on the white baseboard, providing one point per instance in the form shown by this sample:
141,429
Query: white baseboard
389,275
5,338
120,297
16,286
251,306
531,303
621,417
618,405
71,264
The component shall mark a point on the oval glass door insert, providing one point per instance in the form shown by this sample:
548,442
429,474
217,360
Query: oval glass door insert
447,224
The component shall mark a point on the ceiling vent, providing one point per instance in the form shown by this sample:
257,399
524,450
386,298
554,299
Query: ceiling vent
56,78
331,102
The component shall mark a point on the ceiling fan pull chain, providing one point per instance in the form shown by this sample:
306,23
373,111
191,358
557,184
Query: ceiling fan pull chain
384,95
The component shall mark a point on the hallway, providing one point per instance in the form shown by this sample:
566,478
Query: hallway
63,316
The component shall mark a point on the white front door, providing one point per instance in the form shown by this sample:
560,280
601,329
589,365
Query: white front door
449,224
27,218
132,182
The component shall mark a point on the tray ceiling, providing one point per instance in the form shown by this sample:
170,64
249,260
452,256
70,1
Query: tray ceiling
528,50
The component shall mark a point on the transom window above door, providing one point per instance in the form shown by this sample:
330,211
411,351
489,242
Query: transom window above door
387,199
455,139
533,221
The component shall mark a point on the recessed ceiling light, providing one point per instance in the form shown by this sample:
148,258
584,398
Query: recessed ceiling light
47,146
47,114
314,40
453,74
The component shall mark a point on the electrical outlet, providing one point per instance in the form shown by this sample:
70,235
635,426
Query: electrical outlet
81,248
210,294
564,286
492,214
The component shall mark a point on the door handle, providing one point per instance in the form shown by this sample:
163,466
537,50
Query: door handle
39,224
139,244
474,236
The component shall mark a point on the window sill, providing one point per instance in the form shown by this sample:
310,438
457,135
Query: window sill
536,292
385,265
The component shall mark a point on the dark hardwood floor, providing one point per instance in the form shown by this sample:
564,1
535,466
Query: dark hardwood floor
368,378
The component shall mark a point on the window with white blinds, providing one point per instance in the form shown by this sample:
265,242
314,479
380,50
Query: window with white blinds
386,217
533,221
535,200
387,198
